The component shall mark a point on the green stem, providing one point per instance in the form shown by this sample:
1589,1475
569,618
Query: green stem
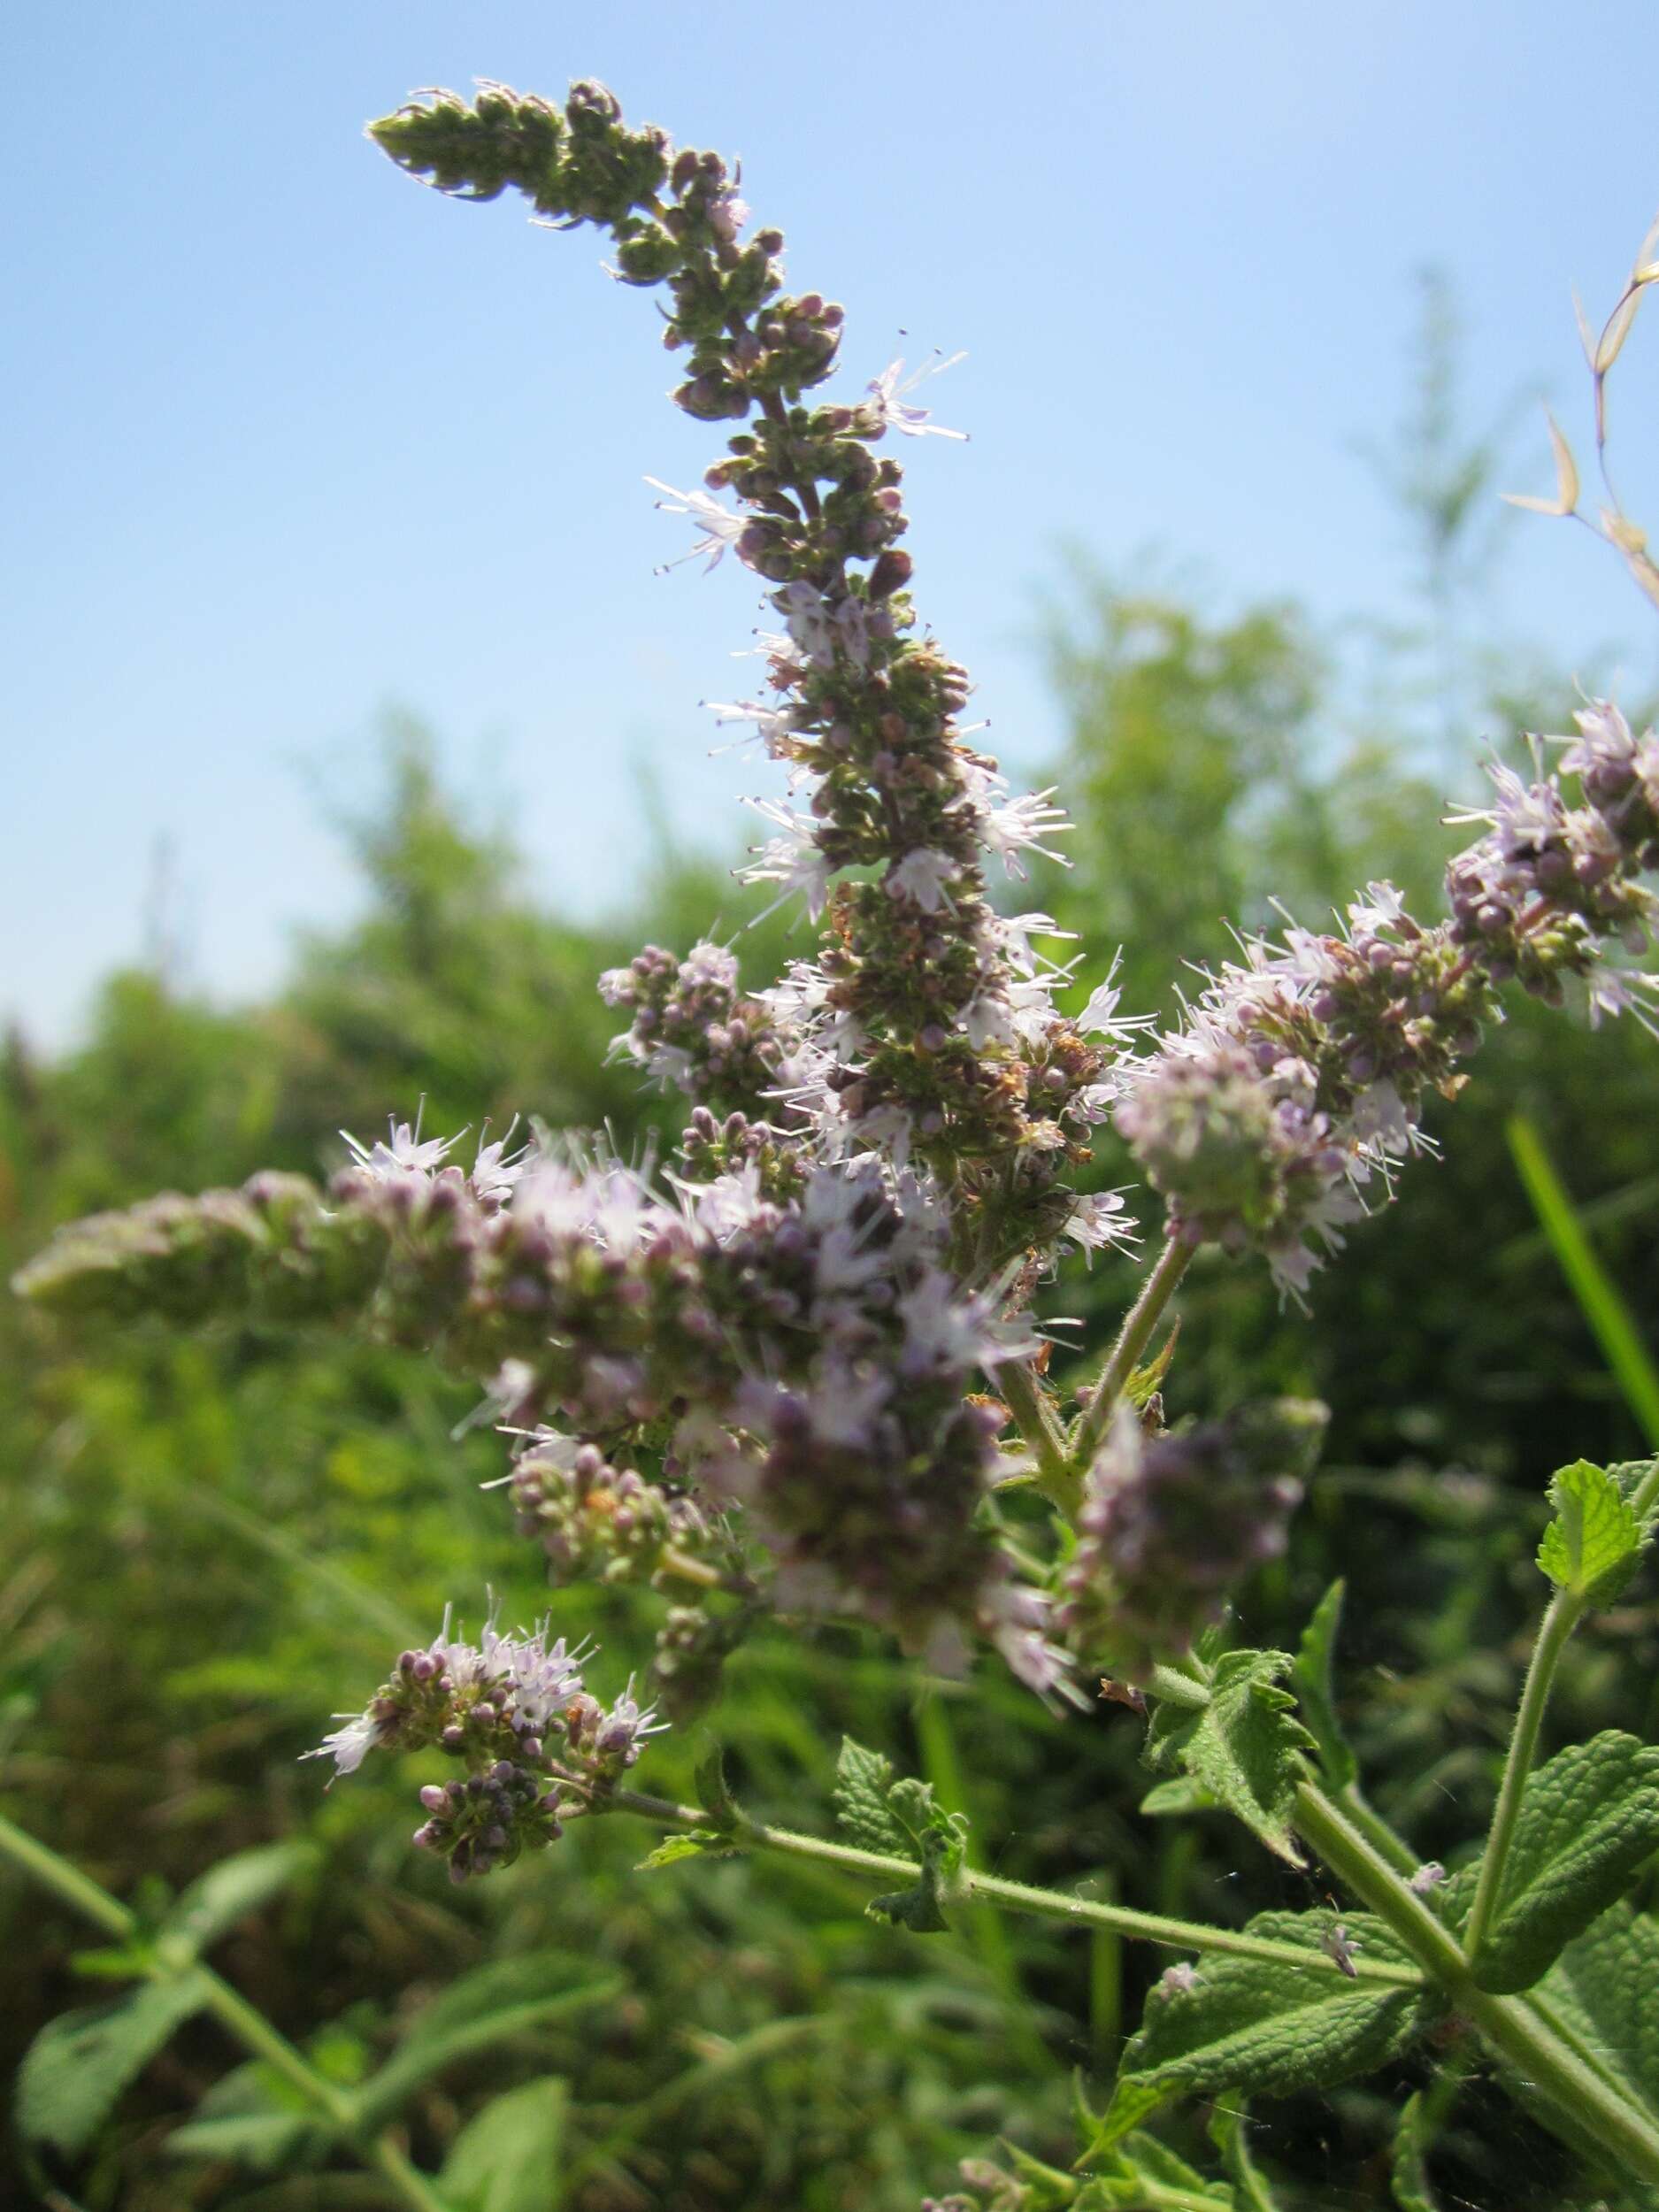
1545,2060
1560,1619
1038,1422
1375,1829
228,2006
1139,1324
1179,1935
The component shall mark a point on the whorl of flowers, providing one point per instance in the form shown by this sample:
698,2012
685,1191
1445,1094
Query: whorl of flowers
1169,1522
511,1710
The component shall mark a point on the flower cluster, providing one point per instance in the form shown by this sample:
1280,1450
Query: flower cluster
693,1030
926,1029
1302,1071
1169,1522
1537,896
512,1710
809,1359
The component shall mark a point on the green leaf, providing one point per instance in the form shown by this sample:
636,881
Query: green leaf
714,1792
1601,1988
1409,2173
1588,1818
1179,1794
1246,1745
256,2117
1139,2175
921,1910
1592,1547
1230,2134
690,1843
489,2006
79,2063
1313,1672
863,1779
508,2157
1266,2027
230,1891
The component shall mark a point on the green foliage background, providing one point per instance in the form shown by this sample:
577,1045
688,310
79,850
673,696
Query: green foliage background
211,1546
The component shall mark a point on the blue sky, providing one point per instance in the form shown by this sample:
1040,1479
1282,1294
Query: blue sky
294,439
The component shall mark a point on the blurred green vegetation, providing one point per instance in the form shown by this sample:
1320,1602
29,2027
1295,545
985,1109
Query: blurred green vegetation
213,1544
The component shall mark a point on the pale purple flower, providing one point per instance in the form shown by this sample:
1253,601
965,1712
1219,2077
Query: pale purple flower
887,400
922,876
792,860
720,525
497,1171
1099,1221
404,1154
1010,826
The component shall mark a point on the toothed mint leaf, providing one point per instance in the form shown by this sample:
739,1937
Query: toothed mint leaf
1592,1547
1267,2027
1589,1816
1245,1746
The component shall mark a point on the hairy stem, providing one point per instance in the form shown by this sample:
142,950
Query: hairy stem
1560,1619
1544,2059
1139,1324
229,2008
1037,1421
1181,1935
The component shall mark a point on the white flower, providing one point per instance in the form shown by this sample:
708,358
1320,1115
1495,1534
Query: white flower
1010,826
1099,1221
774,726
1015,932
793,860
887,404
720,525
1428,1877
921,877
403,1155
497,1171
1382,908
348,1746
1178,1980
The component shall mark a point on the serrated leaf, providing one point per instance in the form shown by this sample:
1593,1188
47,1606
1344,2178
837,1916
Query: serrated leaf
1588,1818
1601,1987
714,1792
508,2157
691,1843
230,1891
1592,1547
1179,1794
1266,2027
489,2006
80,2063
1245,1746
1230,2134
863,1779
1313,1673
1408,2176
921,1910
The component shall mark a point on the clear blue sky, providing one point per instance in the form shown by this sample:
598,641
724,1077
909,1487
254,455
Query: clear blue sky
292,439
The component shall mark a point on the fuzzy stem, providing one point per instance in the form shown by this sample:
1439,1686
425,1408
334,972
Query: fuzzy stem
1181,1935
1139,1324
1560,1619
228,2006
1545,2060
1037,1421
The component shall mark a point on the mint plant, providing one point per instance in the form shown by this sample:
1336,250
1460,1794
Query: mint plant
793,1371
